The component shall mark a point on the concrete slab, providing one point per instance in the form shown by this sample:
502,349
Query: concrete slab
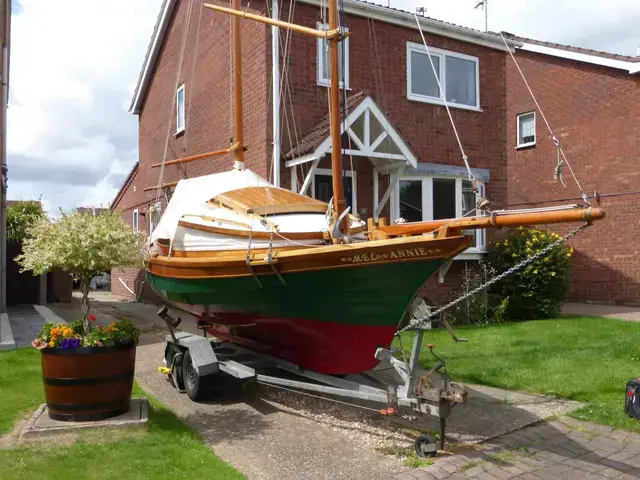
40,425
48,315
25,322
608,311
6,334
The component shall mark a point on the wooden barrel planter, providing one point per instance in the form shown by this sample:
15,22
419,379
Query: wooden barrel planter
88,383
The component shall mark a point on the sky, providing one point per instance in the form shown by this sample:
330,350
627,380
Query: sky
74,64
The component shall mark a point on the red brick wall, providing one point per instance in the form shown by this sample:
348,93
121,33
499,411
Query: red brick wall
424,126
377,63
595,113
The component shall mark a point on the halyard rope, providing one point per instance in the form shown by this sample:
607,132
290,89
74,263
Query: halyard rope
564,161
444,100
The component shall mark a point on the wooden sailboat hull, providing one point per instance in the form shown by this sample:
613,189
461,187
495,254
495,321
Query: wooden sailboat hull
330,320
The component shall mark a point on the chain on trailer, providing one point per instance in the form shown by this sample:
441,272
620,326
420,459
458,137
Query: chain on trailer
421,323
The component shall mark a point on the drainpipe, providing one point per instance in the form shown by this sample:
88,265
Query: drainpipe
275,55
6,23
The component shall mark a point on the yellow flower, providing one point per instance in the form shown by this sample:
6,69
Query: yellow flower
535,239
513,255
568,254
52,343
535,272
553,274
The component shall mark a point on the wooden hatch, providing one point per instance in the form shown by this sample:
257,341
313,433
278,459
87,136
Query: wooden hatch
269,201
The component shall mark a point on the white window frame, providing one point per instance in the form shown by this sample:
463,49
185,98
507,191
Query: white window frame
528,144
441,54
480,245
320,58
328,172
181,89
135,221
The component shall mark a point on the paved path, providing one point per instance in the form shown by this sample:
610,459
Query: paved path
594,310
25,322
562,449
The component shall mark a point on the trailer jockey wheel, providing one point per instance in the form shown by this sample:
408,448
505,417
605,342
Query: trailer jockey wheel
194,384
426,446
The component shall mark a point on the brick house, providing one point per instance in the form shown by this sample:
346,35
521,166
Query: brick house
402,156
591,100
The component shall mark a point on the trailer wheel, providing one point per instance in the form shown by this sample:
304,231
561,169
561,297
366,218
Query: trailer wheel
195,385
426,446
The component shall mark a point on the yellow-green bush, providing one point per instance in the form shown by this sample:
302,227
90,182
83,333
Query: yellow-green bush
538,290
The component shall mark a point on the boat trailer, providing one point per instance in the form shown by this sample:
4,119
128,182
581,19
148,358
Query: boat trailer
192,362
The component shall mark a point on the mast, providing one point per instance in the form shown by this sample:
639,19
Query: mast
238,139
275,56
339,203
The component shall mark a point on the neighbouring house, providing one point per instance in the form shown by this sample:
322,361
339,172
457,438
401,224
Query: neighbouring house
591,100
25,288
402,158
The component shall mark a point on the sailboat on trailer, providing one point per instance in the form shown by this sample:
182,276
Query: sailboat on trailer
293,277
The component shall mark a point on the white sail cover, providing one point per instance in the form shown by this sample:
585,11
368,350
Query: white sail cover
192,193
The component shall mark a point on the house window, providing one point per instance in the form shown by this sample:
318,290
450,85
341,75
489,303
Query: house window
322,187
155,212
526,129
427,198
458,74
136,219
323,59
180,109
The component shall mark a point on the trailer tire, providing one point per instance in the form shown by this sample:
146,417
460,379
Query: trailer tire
425,446
197,387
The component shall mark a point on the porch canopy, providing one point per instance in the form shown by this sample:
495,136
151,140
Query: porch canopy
366,132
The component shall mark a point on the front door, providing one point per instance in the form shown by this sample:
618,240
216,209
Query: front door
323,189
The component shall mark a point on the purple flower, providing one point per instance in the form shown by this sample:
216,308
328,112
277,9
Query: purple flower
70,343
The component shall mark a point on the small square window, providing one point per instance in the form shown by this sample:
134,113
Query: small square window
526,129
180,109
323,59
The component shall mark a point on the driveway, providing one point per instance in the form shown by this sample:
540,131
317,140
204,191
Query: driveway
271,434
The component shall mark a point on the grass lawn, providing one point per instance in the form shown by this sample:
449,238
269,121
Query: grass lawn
168,449
584,359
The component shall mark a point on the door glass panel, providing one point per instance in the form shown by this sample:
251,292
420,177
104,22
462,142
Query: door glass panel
410,195
444,198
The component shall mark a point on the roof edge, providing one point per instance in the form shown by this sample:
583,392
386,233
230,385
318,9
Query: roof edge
153,49
126,183
430,25
534,46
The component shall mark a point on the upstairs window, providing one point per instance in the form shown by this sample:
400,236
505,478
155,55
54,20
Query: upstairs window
526,129
323,59
458,75
180,109
135,220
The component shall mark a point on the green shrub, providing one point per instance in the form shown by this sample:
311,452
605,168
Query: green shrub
538,290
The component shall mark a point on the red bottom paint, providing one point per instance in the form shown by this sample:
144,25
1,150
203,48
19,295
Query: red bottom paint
327,347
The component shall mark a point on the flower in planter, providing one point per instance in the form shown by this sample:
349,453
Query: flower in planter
92,317
75,335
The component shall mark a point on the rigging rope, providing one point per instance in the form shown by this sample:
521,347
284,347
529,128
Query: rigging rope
173,104
506,273
561,163
472,178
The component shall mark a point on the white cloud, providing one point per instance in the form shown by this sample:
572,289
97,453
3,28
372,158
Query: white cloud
74,64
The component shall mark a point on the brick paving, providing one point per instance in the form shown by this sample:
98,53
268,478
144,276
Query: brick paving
565,449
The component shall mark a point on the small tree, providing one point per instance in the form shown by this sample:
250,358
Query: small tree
80,244
21,216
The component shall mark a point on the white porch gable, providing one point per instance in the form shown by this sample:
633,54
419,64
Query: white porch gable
369,134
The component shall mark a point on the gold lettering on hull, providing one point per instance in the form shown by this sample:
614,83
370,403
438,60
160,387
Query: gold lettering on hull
393,254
